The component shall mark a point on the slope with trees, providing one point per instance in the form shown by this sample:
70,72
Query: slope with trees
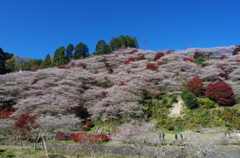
144,88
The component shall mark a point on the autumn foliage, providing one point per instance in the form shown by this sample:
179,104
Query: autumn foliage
152,66
197,54
88,137
195,86
158,56
133,51
102,95
188,59
6,112
25,123
223,57
62,136
129,61
122,84
220,92
89,124
161,63
34,81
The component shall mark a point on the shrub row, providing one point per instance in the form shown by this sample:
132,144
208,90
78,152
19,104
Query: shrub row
85,137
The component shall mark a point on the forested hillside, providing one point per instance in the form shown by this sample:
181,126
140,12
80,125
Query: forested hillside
128,84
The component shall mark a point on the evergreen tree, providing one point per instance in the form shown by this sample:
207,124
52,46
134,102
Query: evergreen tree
46,63
107,49
102,48
189,99
81,51
4,56
122,42
114,44
69,51
2,62
60,57
134,43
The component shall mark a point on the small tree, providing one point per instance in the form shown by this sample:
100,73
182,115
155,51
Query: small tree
195,86
200,61
197,55
220,92
189,99
24,124
137,135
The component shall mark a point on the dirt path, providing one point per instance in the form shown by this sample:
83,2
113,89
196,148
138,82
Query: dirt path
177,107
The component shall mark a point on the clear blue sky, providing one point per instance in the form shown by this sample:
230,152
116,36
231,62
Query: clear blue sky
35,28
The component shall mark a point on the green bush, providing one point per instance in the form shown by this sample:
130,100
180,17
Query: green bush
200,61
170,127
6,155
189,99
206,103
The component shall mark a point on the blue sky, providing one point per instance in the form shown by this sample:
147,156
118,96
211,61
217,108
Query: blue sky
35,28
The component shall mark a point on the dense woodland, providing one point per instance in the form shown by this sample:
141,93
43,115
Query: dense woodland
112,87
62,55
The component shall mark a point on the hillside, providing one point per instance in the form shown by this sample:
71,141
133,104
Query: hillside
114,86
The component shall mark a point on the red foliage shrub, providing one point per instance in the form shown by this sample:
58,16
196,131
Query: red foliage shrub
129,61
34,81
223,57
158,56
89,124
82,137
152,67
63,136
108,103
61,67
24,124
195,86
220,92
102,95
141,57
169,51
82,65
197,54
122,84
6,112
131,52
103,137
88,137
188,59
73,65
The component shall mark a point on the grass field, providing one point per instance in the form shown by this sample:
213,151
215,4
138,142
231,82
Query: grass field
27,152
